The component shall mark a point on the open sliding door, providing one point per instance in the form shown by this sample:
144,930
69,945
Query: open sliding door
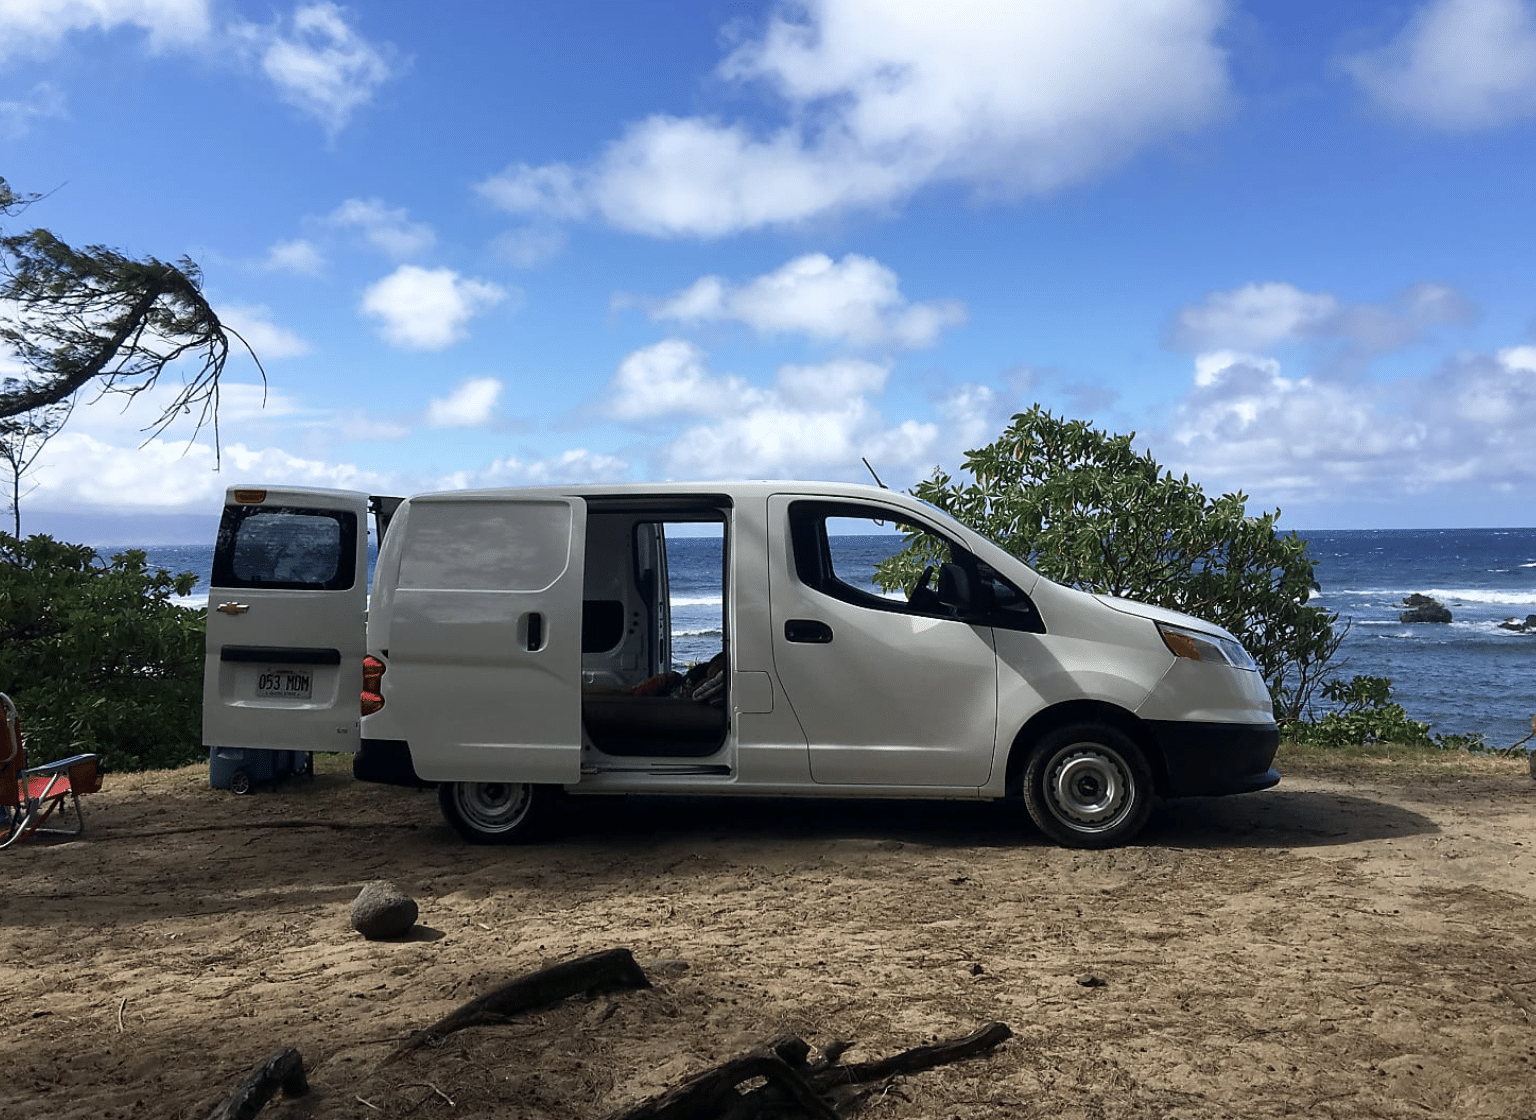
484,636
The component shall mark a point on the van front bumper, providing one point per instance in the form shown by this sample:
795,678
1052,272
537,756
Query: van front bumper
1209,759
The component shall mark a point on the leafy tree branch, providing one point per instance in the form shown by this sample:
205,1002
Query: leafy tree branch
96,317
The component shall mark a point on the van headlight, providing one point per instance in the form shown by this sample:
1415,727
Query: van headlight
1197,646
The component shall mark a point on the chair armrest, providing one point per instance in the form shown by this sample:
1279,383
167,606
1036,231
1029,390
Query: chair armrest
60,765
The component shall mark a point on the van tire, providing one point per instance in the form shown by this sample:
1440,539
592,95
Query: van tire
1088,785
494,812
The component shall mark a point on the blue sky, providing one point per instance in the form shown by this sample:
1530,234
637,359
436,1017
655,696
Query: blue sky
1287,244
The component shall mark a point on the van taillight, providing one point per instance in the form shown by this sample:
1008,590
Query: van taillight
373,676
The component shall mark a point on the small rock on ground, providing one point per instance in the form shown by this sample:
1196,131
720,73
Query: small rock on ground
382,910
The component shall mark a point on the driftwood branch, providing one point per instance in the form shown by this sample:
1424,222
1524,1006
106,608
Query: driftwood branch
792,1085
283,1070
918,1059
607,971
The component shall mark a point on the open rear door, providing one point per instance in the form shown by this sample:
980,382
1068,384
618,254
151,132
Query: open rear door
286,613
483,638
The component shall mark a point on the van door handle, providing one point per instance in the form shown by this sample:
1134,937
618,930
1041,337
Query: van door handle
535,632
807,630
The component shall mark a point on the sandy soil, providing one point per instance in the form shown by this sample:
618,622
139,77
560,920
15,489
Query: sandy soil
1325,948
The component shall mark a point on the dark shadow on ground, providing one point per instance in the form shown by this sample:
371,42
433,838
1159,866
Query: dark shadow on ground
1273,818
1281,818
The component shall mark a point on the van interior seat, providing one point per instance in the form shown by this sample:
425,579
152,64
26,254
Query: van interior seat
670,715
657,726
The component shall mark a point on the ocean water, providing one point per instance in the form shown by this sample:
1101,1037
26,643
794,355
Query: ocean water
1468,676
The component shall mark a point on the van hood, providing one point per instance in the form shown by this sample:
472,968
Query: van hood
1162,614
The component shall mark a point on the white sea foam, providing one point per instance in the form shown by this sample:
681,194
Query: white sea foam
1515,597
695,601
1433,631
1450,596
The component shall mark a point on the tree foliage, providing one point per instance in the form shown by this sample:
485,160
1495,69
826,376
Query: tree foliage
98,656
22,439
97,317
1083,508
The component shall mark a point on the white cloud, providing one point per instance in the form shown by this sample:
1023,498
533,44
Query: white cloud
1518,358
78,469
318,64
830,382
1254,315
529,245
388,229
814,421
773,439
428,309
1246,425
575,466
551,190
882,99
44,101
1274,313
1458,64
856,300
254,323
299,257
37,26
670,379
116,418
471,404
973,415
321,66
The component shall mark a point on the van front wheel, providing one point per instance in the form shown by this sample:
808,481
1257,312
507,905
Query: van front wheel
1088,785
493,812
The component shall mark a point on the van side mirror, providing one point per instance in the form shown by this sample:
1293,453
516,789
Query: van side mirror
956,588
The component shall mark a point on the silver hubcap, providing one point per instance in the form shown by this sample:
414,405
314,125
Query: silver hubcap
1090,788
493,806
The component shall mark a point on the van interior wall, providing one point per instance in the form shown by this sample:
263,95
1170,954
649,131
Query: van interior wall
636,699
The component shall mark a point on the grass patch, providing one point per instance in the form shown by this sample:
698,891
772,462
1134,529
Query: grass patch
1392,761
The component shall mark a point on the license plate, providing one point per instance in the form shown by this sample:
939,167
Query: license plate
284,684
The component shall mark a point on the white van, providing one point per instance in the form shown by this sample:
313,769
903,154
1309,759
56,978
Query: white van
520,643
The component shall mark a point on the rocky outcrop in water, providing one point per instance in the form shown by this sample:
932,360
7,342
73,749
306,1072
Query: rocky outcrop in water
1525,626
1422,608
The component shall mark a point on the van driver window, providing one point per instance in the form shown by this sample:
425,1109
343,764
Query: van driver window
840,547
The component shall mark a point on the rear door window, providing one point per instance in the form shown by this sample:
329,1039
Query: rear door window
286,548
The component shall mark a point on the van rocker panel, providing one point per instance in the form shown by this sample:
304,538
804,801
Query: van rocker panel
1212,759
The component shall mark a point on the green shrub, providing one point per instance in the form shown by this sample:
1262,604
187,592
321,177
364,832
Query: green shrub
1366,715
98,657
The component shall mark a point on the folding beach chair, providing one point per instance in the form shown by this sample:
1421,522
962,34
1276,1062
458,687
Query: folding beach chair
29,795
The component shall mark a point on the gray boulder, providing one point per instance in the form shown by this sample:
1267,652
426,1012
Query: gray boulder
1525,626
382,911
1422,608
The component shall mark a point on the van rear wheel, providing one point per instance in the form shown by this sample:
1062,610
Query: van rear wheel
1088,785
493,812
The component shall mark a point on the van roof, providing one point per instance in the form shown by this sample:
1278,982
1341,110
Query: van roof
732,489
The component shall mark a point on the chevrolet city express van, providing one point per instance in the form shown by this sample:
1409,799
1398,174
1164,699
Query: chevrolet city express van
519,643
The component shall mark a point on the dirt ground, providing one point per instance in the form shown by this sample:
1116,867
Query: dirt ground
1326,948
